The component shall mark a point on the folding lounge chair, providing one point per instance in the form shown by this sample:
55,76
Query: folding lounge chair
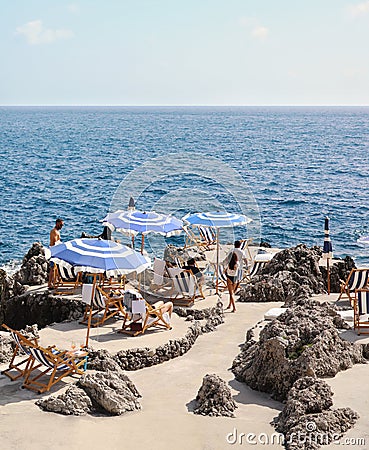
22,344
361,311
142,316
260,261
185,285
208,236
245,248
104,306
357,279
67,279
53,365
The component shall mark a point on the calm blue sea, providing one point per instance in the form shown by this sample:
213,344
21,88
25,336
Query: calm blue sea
296,164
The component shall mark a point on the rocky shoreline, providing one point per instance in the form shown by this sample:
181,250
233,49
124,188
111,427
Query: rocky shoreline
287,361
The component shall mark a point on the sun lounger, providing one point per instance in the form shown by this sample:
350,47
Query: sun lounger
185,285
357,279
66,280
104,306
15,369
361,311
141,316
52,365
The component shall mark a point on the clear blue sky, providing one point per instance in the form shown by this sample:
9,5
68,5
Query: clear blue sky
184,52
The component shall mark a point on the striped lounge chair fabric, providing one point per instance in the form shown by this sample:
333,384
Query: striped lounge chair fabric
361,311
357,279
17,369
105,305
207,235
53,365
66,279
185,287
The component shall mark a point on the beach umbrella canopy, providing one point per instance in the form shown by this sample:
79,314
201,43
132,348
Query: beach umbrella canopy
99,256
134,222
216,219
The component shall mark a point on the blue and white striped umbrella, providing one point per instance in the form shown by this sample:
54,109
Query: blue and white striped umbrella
99,256
216,219
327,246
134,222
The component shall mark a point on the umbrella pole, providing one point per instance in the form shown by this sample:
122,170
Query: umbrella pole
133,242
217,278
90,313
328,277
142,243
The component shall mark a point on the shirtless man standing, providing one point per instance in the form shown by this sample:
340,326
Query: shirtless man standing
54,239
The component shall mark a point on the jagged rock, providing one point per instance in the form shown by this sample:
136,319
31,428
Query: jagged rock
41,308
307,420
74,401
171,252
102,360
6,347
111,391
34,269
302,341
291,274
214,398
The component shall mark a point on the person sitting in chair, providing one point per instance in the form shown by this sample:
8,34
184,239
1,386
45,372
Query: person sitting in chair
191,265
164,307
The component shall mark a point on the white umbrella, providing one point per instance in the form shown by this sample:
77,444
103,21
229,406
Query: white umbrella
134,222
216,219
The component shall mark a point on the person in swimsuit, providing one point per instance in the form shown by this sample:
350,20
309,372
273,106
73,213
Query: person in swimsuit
231,272
54,240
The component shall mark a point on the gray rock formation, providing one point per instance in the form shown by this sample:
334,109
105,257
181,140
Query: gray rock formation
74,401
307,420
35,268
184,254
6,348
112,392
214,398
42,308
304,341
291,274
19,307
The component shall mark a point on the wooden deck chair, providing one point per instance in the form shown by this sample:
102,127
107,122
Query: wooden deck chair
53,365
159,271
185,285
105,305
205,239
142,316
208,236
357,279
361,311
245,248
22,345
66,279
